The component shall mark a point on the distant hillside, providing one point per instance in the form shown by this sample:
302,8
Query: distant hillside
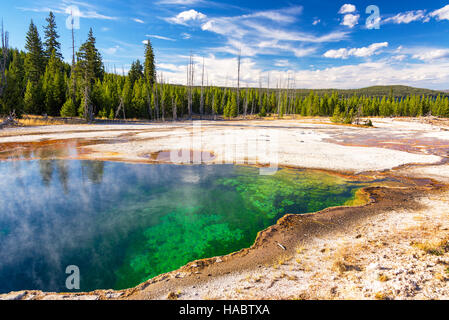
378,91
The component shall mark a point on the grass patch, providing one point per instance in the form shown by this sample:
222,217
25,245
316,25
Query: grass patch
383,278
433,247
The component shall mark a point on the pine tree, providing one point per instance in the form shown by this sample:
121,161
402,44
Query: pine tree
12,98
51,38
53,86
33,98
233,111
89,67
149,66
35,59
136,72
68,109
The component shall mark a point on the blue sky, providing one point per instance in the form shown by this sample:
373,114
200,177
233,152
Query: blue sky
305,44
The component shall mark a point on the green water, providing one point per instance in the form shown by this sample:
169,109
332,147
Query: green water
122,223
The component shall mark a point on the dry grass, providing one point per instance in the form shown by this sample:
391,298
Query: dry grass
344,259
383,278
172,296
29,121
434,247
381,296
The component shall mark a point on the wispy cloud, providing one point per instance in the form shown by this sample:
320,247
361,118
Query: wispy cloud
186,35
84,10
432,54
138,20
180,2
267,32
155,36
441,14
363,52
221,71
282,63
111,51
408,17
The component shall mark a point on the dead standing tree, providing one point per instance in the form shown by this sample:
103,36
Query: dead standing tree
156,100
3,60
121,107
88,106
238,80
163,88
202,94
190,81
73,84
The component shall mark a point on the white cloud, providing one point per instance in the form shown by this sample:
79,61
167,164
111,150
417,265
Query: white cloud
400,57
159,37
138,20
180,2
187,16
350,20
112,50
84,10
316,21
186,35
441,14
347,8
282,63
222,72
407,17
286,15
363,52
262,33
432,54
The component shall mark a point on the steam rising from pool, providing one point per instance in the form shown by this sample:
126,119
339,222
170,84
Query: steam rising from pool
124,223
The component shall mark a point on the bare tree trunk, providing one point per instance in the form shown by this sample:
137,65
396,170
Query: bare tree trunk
148,102
278,91
156,103
88,108
9,121
121,107
202,93
173,101
268,89
163,87
190,77
213,105
245,104
3,60
73,64
238,81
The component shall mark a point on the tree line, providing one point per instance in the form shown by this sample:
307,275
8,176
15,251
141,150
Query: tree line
37,81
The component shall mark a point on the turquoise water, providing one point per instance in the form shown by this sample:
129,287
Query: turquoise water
124,223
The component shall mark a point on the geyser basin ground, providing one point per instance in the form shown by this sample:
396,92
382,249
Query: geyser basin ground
122,224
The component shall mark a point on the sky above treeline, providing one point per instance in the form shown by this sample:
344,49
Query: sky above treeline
302,44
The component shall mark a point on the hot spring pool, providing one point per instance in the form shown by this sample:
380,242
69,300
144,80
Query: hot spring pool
122,224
